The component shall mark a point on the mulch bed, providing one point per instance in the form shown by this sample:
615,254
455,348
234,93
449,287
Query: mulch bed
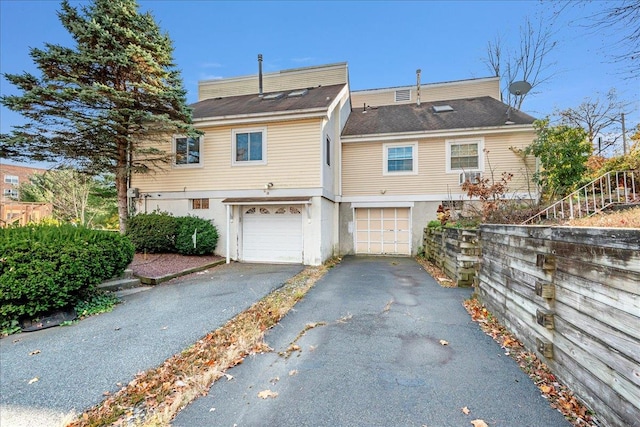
160,265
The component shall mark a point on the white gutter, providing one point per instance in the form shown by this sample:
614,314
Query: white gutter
435,134
262,117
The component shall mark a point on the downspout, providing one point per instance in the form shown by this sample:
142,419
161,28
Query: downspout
228,233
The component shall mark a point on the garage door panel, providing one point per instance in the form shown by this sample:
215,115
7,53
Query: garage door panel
272,234
383,231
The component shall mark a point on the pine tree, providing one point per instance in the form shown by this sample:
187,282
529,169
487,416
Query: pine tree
101,104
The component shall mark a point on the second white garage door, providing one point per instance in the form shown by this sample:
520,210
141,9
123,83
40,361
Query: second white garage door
383,231
272,233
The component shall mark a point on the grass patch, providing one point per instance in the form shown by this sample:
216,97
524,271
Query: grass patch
627,218
154,397
100,302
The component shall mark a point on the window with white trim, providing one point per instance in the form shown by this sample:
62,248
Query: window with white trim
188,150
465,155
11,192
400,159
249,146
11,179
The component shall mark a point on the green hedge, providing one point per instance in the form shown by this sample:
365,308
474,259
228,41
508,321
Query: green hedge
159,232
206,236
46,268
153,232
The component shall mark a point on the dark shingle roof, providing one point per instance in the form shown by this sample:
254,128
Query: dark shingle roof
317,97
467,113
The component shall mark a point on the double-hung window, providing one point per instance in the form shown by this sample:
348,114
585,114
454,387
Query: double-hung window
188,150
400,159
465,155
11,179
249,146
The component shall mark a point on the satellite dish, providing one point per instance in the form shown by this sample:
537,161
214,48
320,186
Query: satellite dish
519,88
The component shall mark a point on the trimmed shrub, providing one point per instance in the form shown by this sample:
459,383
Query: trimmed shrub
46,268
153,232
206,236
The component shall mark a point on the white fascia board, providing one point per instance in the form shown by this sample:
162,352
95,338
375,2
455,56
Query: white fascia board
386,204
401,136
338,98
223,194
262,117
422,198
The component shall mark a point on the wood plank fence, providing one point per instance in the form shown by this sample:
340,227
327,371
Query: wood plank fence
22,213
573,295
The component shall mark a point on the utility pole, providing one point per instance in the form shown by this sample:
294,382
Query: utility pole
624,136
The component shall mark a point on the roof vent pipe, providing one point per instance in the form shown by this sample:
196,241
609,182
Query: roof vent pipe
260,75
418,71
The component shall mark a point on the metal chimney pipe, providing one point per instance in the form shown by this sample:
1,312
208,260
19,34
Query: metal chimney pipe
418,71
260,75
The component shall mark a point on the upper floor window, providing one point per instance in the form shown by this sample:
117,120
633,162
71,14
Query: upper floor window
328,150
188,150
11,179
249,146
464,155
400,159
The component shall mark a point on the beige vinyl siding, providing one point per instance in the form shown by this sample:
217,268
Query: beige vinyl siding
429,92
293,161
362,173
273,82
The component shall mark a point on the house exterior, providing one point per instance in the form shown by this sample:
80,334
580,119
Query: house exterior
294,167
11,210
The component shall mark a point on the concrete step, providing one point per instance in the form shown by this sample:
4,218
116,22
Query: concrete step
120,283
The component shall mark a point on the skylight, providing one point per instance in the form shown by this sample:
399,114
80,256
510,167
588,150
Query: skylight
300,92
273,96
442,108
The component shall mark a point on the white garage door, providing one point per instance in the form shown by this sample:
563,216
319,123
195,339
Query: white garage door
272,233
383,231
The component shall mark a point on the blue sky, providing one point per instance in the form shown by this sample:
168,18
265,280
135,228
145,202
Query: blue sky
383,42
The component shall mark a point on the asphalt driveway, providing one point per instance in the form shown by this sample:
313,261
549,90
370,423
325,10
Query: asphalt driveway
363,349
75,365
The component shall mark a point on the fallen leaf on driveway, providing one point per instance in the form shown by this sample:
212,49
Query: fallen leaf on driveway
465,410
34,352
265,394
479,423
229,377
546,389
33,380
443,342
293,372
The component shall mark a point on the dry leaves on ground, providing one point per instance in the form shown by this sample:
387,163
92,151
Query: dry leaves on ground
266,394
558,395
154,397
436,273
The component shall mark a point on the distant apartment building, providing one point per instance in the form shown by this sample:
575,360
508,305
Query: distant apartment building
11,210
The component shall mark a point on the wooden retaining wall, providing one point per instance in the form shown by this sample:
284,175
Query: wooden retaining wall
573,295
456,251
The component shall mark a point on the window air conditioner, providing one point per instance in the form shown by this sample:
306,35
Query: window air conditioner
472,177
